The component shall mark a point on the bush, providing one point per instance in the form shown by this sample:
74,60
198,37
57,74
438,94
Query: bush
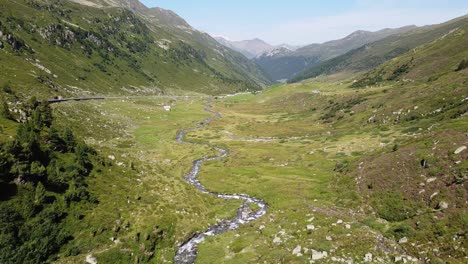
392,206
463,65
6,88
400,231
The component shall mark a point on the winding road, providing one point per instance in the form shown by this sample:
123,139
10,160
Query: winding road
187,252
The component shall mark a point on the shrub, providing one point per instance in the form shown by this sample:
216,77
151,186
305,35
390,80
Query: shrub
463,65
402,230
392,207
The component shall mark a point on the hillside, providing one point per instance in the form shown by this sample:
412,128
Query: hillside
114,50
376,53
287,64
426,63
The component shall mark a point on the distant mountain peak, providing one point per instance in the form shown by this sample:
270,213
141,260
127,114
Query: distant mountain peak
256,47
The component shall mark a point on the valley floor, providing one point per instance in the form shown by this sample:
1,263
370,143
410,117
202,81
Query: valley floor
281,151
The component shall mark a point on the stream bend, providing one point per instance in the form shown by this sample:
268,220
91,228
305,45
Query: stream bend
187,252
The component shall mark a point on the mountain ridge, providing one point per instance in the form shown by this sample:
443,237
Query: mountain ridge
289,64
378,52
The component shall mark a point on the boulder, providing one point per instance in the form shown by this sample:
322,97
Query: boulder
403,240
91,260
459,150
316,255
297,251
368,257
277,240
442,205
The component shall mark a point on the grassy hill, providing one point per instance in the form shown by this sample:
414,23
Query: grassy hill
425,63
376,53
65,48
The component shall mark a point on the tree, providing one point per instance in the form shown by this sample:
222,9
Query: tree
69,139
40,194
5,165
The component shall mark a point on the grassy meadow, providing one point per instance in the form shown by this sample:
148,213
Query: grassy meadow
297,146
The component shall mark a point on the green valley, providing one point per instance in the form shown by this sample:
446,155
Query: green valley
191,155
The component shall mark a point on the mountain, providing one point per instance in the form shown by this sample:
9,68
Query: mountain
81,47
289,64
376,53
426,63
249,48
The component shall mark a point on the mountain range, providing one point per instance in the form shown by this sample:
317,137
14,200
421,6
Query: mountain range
375,53
285,64
254,47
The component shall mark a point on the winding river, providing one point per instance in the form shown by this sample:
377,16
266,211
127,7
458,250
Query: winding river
187,252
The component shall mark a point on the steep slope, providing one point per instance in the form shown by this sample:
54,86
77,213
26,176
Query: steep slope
289,64
249,48
109,47
426,63
374,54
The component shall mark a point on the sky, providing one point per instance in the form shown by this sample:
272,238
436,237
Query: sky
300,22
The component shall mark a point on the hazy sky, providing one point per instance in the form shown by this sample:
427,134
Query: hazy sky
307,21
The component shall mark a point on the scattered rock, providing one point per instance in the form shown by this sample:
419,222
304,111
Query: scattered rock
167,107
310,227
424,164
91,260
459,150
328,238
433,195
261,227
348,226
368,257
277,240
339,221
442,205
297,251
111,157
431,179
403,240
316,255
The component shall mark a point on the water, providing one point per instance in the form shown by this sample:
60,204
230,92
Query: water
187,252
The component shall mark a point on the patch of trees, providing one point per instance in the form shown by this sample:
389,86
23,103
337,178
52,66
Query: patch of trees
43,171
183,53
